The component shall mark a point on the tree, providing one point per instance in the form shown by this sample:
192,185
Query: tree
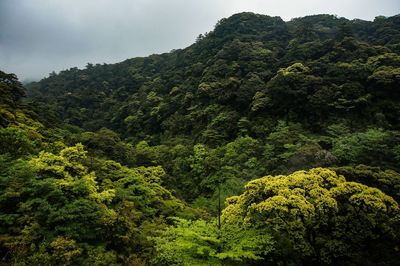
317,217
370,147
288,91
58,209
384,179
11,92
15,142
10,89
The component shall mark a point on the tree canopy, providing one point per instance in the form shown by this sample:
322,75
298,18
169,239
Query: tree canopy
157,160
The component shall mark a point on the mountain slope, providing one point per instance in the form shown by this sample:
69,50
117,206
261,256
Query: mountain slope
233,73
314,91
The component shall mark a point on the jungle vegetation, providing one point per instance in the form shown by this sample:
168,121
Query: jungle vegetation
264,143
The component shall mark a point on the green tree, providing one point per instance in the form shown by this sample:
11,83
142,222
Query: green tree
370,146
15,142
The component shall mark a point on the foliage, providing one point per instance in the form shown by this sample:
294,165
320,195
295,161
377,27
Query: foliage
202,243
386,180
55,211
96,161
317,217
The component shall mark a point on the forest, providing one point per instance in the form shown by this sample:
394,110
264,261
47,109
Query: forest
265,142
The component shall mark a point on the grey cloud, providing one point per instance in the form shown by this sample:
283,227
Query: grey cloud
39,36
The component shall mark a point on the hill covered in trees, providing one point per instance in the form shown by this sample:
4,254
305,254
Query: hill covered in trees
131,163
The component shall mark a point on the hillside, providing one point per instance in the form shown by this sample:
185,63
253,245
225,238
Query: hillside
264,142
234,70
314,91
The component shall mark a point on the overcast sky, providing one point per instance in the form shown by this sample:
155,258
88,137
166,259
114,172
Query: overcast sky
40,36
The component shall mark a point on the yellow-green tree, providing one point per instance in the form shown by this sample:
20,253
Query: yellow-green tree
317,217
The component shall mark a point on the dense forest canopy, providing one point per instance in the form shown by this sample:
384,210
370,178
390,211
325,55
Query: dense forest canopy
264,143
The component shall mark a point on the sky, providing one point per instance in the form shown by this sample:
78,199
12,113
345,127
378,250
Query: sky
41,36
